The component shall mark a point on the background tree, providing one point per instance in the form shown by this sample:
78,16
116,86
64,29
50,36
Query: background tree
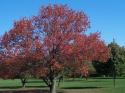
117,58
103,69
121,65
19,51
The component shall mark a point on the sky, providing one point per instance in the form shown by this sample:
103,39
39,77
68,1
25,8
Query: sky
106,16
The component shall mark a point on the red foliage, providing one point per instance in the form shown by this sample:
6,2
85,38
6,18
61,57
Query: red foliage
54,41
20,50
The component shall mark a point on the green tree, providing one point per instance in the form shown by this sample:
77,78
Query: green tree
116,63
103,68
117,59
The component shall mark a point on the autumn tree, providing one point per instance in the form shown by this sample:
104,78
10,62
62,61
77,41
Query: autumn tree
54,42
62,32
19,51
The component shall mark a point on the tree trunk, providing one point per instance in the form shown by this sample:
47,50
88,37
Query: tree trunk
86,77
60,78
114,78
114,75
53,86
23,82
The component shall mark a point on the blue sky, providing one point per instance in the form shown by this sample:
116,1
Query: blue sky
106,16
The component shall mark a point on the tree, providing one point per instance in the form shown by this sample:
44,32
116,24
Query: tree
117,59
103,69
19,51
65,43
55,41
121,65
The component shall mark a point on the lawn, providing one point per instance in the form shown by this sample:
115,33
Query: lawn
69,85
94,86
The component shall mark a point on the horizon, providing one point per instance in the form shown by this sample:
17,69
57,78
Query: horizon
106,16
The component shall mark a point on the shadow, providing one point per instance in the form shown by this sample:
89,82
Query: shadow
27,91
36,86
19,87
107,77
101,78
81,87
73,80
85,80
11,87
34,82
97,81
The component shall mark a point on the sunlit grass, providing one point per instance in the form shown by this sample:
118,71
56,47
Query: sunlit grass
70,85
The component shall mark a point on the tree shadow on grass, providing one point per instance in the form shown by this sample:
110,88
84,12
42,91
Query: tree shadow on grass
81,87
34,81
98,81
28,91
73,80
19,87
36,86
10,87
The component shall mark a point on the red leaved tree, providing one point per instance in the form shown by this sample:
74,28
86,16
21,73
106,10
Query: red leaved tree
62,32
20,51
54,43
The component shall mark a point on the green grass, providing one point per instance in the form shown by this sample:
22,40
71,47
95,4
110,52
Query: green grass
16,84
71,86
94,86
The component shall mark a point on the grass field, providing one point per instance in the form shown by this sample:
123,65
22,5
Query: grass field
70,86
